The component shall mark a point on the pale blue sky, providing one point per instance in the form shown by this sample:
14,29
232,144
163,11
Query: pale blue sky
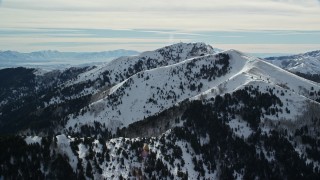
256,26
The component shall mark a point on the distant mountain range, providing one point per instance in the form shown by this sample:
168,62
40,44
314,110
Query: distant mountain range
306,63
55,59
184,111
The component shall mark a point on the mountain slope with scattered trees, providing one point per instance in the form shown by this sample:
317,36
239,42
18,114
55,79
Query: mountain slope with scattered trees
179,112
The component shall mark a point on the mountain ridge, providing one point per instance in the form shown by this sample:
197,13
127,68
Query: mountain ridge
250,67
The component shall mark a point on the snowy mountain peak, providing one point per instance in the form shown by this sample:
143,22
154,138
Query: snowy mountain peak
170,83
121,68
190,48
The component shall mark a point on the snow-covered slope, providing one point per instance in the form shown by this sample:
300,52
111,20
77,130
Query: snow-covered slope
123,67
152,91
307,63
103,77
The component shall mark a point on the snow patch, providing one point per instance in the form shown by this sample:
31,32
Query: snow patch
33,139
240,128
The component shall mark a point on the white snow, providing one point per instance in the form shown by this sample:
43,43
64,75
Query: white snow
240,128
63,143
33,139
82,151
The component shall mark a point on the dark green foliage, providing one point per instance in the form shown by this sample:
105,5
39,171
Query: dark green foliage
89,170
234,153
313,144
28,116
15,155
25,95
14,78
311,77
61,169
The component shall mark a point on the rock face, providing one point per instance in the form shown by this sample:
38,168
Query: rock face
202,114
